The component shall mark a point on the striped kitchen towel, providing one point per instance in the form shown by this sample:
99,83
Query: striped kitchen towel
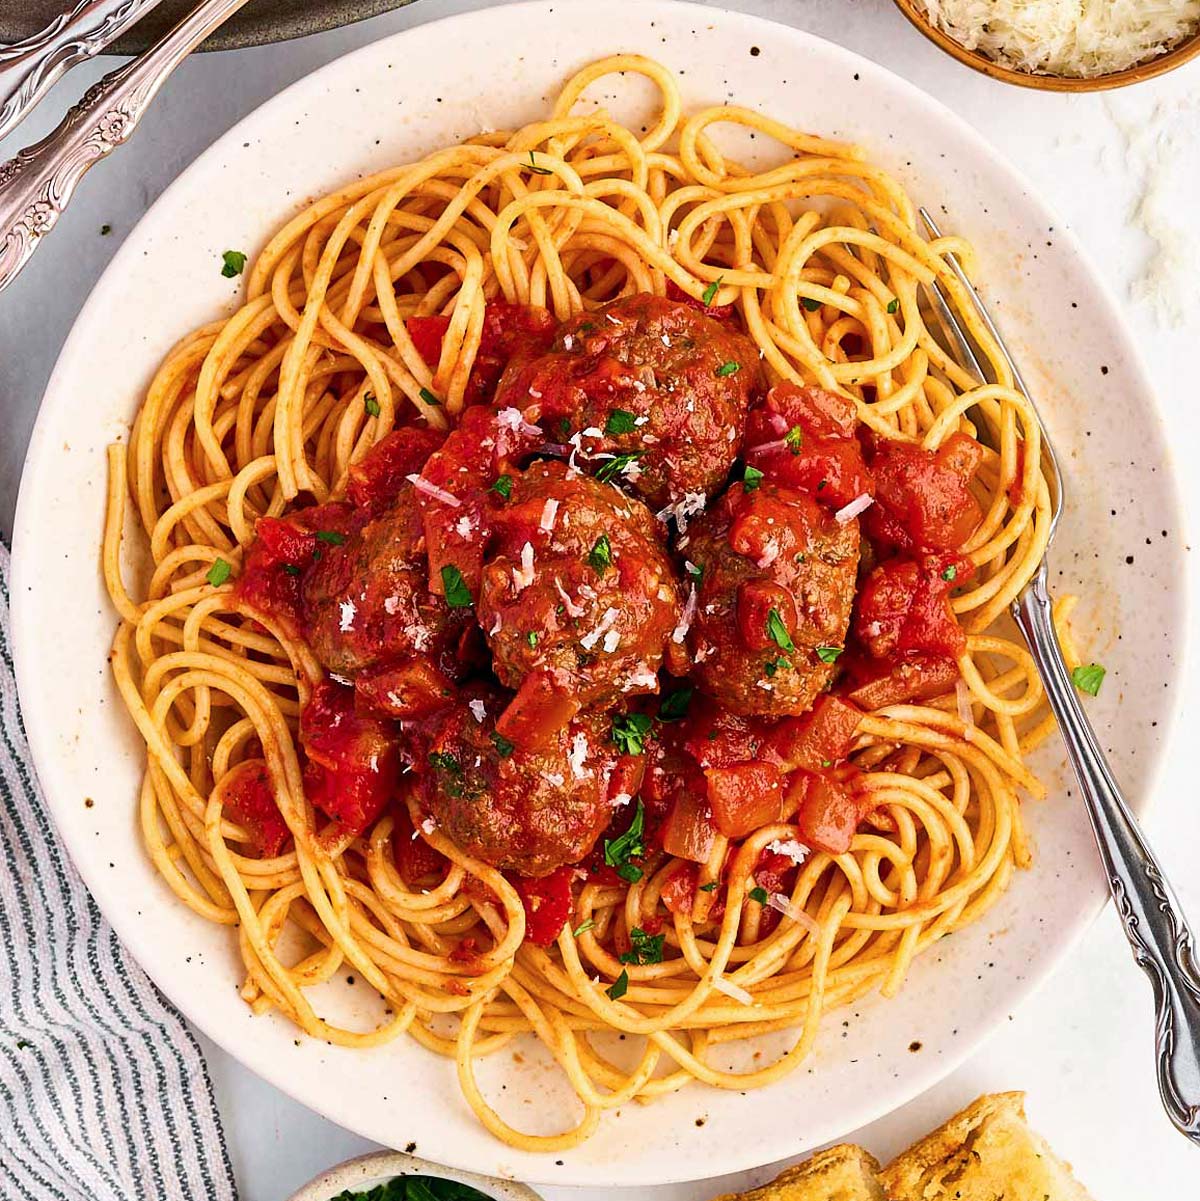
104,1095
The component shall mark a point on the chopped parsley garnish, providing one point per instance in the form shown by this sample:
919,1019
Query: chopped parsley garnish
826,762
455,589
711,291
532,639
759,895
617,464
600,556
675,706
711,886
810,304
772,666
564,428
430,399
332,537
620,421
535,168
234,263
583,928
894,304
630,872
502,486
829,654
450,771
1088,678
696,571
778,632
729,368
504,747
950,573
620,986
646,948
751,478
291,569
371,404
794,439
630,845
218,573
629,732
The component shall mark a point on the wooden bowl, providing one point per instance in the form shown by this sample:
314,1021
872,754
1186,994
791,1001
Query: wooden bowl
1187,49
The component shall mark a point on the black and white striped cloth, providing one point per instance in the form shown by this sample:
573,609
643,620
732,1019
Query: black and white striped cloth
104,1094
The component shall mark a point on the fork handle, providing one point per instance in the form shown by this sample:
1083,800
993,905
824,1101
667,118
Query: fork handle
1150,912
30,68
38,183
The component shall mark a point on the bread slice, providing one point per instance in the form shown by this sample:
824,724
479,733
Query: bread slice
844,1173
981,1154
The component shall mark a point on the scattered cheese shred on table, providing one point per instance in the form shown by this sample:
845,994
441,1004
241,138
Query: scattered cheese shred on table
1077,38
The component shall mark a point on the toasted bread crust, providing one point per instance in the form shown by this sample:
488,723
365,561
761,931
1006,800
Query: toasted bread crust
842,1173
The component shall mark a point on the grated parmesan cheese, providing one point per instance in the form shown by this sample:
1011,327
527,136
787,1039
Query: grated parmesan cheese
1081,39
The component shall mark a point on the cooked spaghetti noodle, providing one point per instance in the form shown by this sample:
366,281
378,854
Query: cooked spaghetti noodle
823,264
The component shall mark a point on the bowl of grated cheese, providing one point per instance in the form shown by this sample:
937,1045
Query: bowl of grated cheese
1062,45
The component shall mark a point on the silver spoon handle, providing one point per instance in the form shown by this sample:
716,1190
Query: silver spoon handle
1150,912
30,68
37,184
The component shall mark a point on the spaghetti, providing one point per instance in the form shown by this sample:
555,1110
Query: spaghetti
822,264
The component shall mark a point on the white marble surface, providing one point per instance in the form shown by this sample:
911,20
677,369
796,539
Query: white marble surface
1081,1047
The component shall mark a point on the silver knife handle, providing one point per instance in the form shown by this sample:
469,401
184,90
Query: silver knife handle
38,182
1150,912
29,68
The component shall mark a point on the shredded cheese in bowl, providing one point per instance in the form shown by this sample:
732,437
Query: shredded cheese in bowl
1081,39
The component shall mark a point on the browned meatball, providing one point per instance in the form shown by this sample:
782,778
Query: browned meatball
578,585
367,600
519,810
651,392
772,607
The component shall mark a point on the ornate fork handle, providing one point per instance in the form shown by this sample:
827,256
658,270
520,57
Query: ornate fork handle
28,69
37,184
1158,933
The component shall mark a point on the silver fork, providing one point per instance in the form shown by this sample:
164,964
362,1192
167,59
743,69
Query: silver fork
1150,912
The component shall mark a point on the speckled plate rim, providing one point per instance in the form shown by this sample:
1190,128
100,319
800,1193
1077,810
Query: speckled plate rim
696,1133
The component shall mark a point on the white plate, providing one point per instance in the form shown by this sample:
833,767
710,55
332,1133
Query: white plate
1121,545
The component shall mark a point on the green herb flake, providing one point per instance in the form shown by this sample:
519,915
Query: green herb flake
371,404
454,588
629,732
759,895
646,948
950,573
695,570
826,762
773,666
829,654
1088,678
617,464
712,886
532,639
730,368
675,706
502,486
620,986
600,556
218,573
535,169
894,305
291,569
332,537
630,872
583,928
751,478
620,421
234,263
810,304
794,439
711,291
777,631
618,851
430,398
504,747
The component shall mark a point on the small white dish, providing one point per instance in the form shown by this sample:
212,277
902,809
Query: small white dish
367,1171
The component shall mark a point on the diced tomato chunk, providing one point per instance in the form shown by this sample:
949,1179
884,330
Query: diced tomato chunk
538,711
427,334
828,816
547,902
249,801
745,797
353,759
376,479
688,830
415,859
411,688
717,738
914,678
820,738
679,892
903,608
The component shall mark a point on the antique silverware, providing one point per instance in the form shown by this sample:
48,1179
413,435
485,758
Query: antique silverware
30,68
37,184
1150,913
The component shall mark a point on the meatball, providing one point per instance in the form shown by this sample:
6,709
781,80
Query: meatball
578,585
520,810
772,608
652,393
367,599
